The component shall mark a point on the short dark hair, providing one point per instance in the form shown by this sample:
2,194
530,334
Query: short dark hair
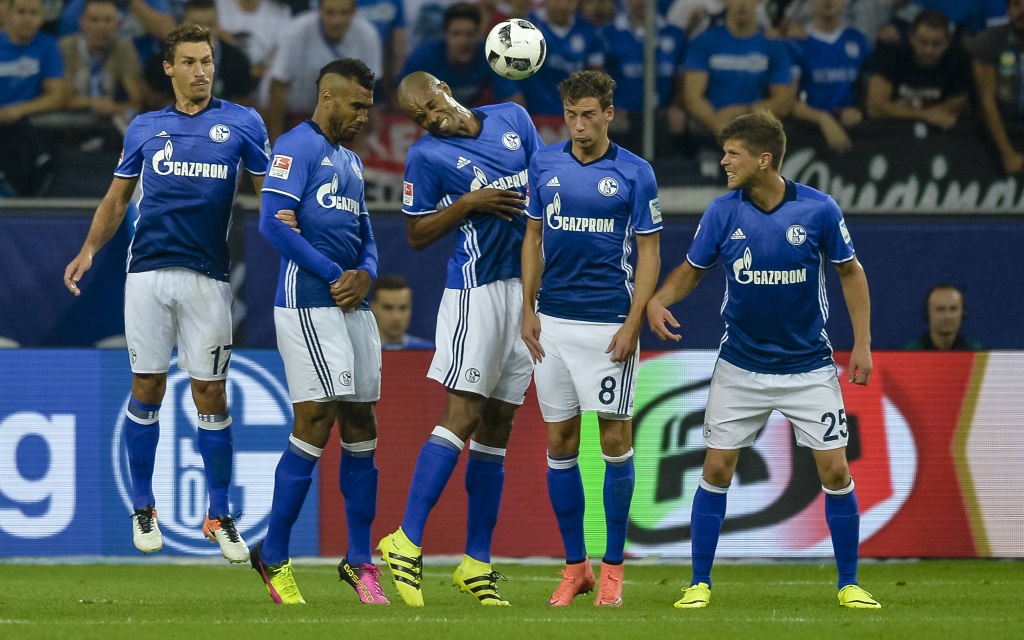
390,282
88,2
758,132
350,68
942,286
587,84
199,5
462,11
185,33
932,19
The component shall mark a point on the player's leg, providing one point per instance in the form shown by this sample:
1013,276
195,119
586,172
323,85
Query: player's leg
813,402
619,481
739,403
150,330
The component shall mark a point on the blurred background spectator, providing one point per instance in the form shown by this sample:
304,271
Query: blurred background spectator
31,82
145,22
999,81
696,16
829,60
944,312
391,304
598,12
232,78
389,18
926,78
255,27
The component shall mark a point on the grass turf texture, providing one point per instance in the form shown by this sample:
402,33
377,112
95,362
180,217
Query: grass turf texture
930,599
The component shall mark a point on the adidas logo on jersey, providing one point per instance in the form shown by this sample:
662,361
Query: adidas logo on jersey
738,235
326,162
553,182
461,163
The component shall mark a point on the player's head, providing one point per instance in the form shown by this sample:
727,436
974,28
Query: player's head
202,13
99,22
944,310
344,96
1015,16
24,18
461,33
188,60
929,37
429,103
336,17
753,147
587,103
392,307
829,9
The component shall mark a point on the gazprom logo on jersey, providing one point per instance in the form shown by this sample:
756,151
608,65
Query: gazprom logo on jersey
555,220
513,181
327,196
164,166
745,275
262,414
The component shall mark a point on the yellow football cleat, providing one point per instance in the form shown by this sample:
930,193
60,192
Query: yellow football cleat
279,578
853,596
478,579
406,563
694,597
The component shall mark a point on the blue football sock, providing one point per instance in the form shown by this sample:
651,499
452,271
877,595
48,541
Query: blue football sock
706,520
843,517
141,436
434,467
565,488
619,479
215,445
357,477
485,478
292,479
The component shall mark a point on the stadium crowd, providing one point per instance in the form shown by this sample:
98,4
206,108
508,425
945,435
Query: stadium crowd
77,71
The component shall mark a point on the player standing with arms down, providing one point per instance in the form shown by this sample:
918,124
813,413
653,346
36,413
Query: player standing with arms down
589,199
469,173
185,159
326,334
773,236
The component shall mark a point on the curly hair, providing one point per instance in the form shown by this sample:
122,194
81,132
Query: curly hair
350,68
587,84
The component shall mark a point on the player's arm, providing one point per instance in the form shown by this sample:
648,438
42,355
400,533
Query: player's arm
353,285
648,264
533,269
105,222
423,231
257,182
677,285
858,303
695,84
289,244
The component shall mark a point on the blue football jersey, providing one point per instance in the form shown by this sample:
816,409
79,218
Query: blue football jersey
568,50
829,65
624,61
326,182
439,170
591,211
740,70
187,167
775,303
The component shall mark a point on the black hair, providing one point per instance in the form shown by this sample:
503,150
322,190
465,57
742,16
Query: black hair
350,68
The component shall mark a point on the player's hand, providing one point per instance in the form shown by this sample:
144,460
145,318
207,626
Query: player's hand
851,117
350,289
10,113
938,117
531,335
624,343
288,217
1013,163
75,270
502,203
660,320
676,117
860,365
835,135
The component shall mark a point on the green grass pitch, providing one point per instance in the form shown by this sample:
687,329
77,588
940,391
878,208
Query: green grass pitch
929,599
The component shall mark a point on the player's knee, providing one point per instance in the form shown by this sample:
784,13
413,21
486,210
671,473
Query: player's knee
358,421
149,387
834,476
615,442
210,396
718,470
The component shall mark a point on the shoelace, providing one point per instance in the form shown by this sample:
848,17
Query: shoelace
145,519
492,580
374,572
227,525
608,590
289,588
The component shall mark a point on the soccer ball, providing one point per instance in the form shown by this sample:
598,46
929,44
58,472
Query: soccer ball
515,49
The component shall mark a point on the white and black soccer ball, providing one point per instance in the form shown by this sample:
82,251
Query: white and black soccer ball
515,49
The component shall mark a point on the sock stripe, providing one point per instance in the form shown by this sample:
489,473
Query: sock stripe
839,492
316,354
618,460
442,436
482,448
563,462
713,488
304,449
359,447
214,421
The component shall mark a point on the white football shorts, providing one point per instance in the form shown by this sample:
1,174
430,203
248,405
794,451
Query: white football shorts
479,347
740,401
165,306
329,354
577,375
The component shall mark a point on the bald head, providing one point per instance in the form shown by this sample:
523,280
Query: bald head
429,103
417,87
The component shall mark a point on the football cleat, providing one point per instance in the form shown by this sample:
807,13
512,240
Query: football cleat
609,590
279,579
363,578
577,579
695,596
478,579
853,596
406,563
222,531
146,531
